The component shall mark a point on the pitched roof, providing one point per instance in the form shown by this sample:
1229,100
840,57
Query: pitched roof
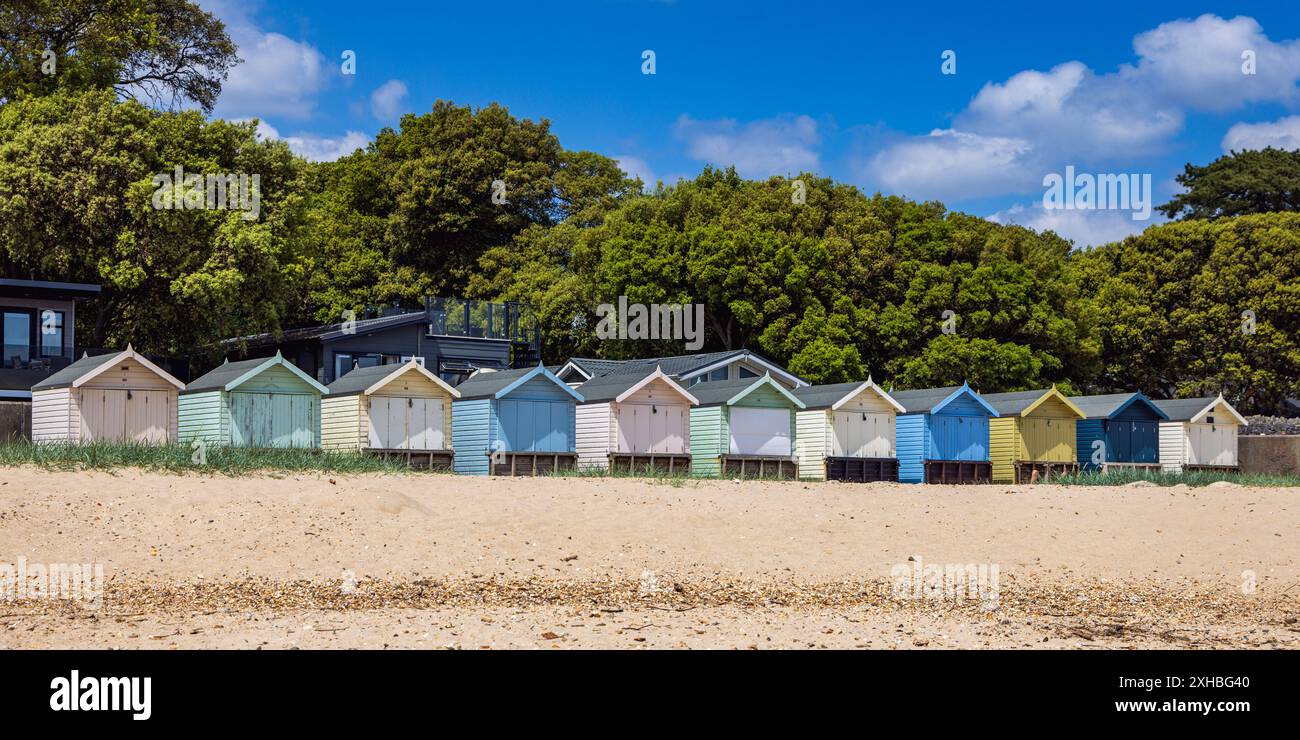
68,375
1292,404
829,395
677,365
923,400
1107,405
611,386
88,367
223,375
363,379
719,392
1014,403
490,384
1187,409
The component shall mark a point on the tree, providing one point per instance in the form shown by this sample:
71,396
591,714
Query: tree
1200,307
411,215
77,203
162,51
1238,184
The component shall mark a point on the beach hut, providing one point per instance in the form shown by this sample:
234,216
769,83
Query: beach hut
744,427
1035,432
943,435
115,397
514,422
846,432
1118,429
391,410
634,419
1199,434
263,402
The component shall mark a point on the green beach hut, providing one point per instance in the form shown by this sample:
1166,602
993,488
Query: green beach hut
745,428
263,402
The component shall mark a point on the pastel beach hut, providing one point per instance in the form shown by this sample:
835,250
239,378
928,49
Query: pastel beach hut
1118,430
744,427
1199,434
395,410
639,419
514,422
1035,433
943,435
115,397
262,402
846,431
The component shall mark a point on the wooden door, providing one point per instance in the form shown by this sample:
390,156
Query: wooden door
759,431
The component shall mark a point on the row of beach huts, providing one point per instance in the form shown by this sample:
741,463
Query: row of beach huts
529,422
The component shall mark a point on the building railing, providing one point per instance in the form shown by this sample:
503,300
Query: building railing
458,317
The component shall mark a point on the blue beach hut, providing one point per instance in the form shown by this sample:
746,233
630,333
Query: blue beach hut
943,436
514,422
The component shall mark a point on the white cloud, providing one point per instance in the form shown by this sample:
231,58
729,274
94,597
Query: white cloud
636,167
388,101
954,165
1283,133
1086,228
278,77
316,148
1070,115
784,145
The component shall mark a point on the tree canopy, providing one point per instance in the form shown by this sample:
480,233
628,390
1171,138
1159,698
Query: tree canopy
163,52
1238,184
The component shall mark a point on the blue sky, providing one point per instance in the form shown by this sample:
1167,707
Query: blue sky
848,90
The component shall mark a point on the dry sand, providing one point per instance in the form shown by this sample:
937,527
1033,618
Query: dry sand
434,561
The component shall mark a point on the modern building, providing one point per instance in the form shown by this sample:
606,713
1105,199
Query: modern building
450,337
687,370
39,332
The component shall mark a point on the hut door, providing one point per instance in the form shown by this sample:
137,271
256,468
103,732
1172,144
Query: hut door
260,419
387,423
647,427
862,434
1213,444
424,422
757,431
147,413
103,415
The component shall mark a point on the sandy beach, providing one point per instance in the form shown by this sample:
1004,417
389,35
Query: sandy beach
439,561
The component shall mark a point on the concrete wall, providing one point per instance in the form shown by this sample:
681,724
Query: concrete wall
15,420
1273,454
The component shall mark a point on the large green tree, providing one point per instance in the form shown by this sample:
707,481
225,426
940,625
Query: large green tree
1238,184
77,203
834,284
1200,307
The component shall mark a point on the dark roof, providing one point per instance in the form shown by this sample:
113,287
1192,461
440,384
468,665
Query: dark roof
46,289
216,379
331,331
1292,405
362,378
1015,402
68,375
1183,409
675,365
612,385
1103,406
824,396
922,400
488,384
718,392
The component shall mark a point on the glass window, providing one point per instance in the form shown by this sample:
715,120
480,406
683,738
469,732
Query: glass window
719,374
747,373
17,337
51,333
